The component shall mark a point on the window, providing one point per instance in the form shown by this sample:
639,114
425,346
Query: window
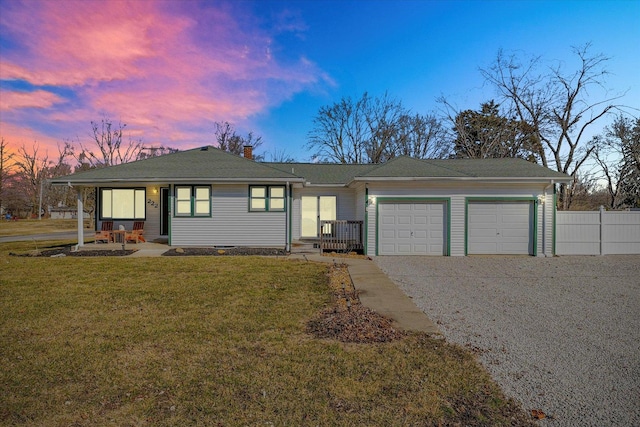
123,203
193,201
267,198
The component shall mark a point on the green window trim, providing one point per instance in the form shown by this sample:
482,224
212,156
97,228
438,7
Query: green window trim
192,201
267,198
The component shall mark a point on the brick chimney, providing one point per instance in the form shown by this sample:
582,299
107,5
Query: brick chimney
248,152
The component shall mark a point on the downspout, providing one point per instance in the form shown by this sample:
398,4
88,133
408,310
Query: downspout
170,213
80,216
287,220
544,218
365,235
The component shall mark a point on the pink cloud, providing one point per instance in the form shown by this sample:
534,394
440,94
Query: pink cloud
10,100
75,42
167,69
17,136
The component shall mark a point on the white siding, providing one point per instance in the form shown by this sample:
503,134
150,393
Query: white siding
153,212
457,225
458,193
545,225
231,223
360,203
360,209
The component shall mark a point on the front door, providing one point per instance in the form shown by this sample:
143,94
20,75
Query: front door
315,209
164,209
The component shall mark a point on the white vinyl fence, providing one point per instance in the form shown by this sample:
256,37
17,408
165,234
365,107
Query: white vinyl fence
597,233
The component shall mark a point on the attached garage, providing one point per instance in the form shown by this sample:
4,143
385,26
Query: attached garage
412,227
501,227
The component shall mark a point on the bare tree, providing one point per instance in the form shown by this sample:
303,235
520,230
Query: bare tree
617,152
148,152
6,167
373,130
228,139
559,105
489,133
382,116
32,171
107,146
421,137
58,195
33,192
279,156
339,132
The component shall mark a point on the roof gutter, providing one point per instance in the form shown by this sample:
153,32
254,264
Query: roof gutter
461,178
95,182
308,184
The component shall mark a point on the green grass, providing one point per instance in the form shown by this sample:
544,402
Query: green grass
24,227
211,341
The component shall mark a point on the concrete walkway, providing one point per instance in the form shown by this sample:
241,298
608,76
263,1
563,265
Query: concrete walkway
380,294
148,249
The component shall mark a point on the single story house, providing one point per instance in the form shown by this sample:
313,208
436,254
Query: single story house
207,197
64,212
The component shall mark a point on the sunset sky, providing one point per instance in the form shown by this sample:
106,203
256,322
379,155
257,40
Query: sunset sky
170,69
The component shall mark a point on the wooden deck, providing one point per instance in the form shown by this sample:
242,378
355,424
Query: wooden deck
341,236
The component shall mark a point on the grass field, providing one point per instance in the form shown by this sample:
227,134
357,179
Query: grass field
24,227
212,341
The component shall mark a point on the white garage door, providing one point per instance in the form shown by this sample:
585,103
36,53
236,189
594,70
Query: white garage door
411,229
499,228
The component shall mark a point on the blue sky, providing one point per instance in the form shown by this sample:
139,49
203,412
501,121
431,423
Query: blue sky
171,69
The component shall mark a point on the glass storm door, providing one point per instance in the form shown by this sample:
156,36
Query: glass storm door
315,209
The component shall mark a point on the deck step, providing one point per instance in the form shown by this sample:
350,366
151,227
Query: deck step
304,247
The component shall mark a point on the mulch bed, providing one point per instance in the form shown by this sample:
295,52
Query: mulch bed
225,251
356,324
66,251
348,320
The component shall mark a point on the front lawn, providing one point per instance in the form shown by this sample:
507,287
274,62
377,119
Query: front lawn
212,341
24,227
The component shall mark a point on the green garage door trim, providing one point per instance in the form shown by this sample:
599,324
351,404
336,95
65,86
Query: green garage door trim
447,219
533,200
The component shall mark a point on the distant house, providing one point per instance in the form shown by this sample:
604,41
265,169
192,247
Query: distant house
65,212
208,197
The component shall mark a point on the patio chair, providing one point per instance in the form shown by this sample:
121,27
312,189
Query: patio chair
135,235
104,235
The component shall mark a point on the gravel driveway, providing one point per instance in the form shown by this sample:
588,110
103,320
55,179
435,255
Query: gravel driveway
561,335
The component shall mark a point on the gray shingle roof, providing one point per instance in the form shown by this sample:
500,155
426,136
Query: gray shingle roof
323,173
206,163
212,164
463,168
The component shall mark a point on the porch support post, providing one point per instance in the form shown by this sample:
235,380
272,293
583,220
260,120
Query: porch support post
80,217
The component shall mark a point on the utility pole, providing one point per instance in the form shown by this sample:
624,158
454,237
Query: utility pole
40,203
